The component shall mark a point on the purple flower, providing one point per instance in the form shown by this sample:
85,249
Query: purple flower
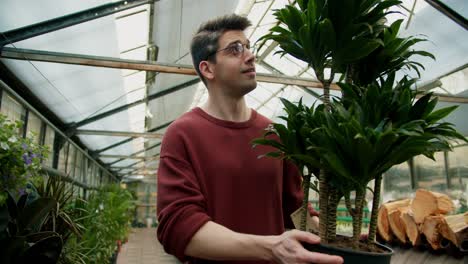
21,191
24,146
27,159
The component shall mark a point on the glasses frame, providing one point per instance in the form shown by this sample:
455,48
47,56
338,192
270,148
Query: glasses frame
241,47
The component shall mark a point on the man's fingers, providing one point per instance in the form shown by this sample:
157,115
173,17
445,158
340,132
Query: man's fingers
305,237
320,258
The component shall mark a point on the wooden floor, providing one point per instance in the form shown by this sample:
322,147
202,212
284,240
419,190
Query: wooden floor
143,248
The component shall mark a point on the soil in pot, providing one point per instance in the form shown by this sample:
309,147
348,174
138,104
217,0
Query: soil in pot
364,254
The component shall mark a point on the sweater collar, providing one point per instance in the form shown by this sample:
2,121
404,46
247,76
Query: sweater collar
226,123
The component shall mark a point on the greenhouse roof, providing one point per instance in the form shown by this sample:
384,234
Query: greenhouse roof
90,73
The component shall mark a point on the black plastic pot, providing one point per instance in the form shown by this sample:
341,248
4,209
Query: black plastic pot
351,256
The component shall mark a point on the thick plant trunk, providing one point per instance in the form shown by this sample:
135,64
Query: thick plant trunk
332,207
350,74
323,185
357,220
323,204
375,209
349,205
305,201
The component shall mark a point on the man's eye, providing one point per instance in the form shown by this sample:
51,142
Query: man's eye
235,49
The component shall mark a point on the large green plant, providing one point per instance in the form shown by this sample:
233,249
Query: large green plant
106,216
376,125
61,218
20,159
21,240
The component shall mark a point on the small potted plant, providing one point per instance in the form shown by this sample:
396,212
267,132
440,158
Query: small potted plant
377,123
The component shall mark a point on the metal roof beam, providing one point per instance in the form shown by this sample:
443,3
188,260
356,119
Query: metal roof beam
449,12
96,61
136,153
129,167
138,102
54,24
119,133
130,139
110,62
135,163
128,157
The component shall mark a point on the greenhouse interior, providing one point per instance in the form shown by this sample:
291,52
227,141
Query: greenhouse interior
367,99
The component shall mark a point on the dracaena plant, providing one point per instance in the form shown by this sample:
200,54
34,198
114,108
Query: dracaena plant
393,54
377,123
356,140
329,34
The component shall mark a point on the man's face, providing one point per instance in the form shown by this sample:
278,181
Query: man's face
235,70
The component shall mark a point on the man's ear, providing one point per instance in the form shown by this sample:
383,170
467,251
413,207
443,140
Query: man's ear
206,69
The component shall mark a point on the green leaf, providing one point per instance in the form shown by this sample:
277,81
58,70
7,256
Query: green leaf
327,33
307,160
419,108
12,208
357,49
45,251
269,142
303,4
423,53
34,213
272,155
35,237
441,113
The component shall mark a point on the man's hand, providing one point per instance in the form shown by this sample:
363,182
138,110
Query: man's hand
288,249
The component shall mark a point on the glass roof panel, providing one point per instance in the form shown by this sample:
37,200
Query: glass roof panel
261,93
455,84
256,13
458,6
251,102
132,84
132,31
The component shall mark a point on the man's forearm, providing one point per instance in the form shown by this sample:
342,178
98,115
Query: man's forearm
216,242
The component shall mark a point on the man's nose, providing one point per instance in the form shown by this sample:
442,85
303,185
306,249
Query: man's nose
249,56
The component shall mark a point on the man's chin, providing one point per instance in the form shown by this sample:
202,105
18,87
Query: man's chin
248,88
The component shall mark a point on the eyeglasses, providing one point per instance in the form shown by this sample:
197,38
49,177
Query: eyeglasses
236,49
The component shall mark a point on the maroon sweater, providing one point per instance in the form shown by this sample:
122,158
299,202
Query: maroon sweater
209,171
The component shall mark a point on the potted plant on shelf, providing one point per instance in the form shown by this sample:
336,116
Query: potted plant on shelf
378,122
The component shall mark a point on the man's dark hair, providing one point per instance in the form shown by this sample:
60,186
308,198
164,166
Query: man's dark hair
205,41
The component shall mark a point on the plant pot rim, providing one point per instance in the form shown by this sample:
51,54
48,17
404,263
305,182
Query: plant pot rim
367,253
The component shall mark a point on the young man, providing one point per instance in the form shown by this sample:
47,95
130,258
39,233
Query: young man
216,200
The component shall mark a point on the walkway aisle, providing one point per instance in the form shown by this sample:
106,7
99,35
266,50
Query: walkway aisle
143,248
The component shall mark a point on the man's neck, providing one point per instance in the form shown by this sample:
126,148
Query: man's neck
228,109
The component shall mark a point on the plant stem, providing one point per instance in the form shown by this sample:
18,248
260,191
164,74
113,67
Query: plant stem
331,219
350,74
375,206
349,205
357,221
305,202
323,204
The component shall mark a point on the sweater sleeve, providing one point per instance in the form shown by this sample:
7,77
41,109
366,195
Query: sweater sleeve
292,192
181,206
